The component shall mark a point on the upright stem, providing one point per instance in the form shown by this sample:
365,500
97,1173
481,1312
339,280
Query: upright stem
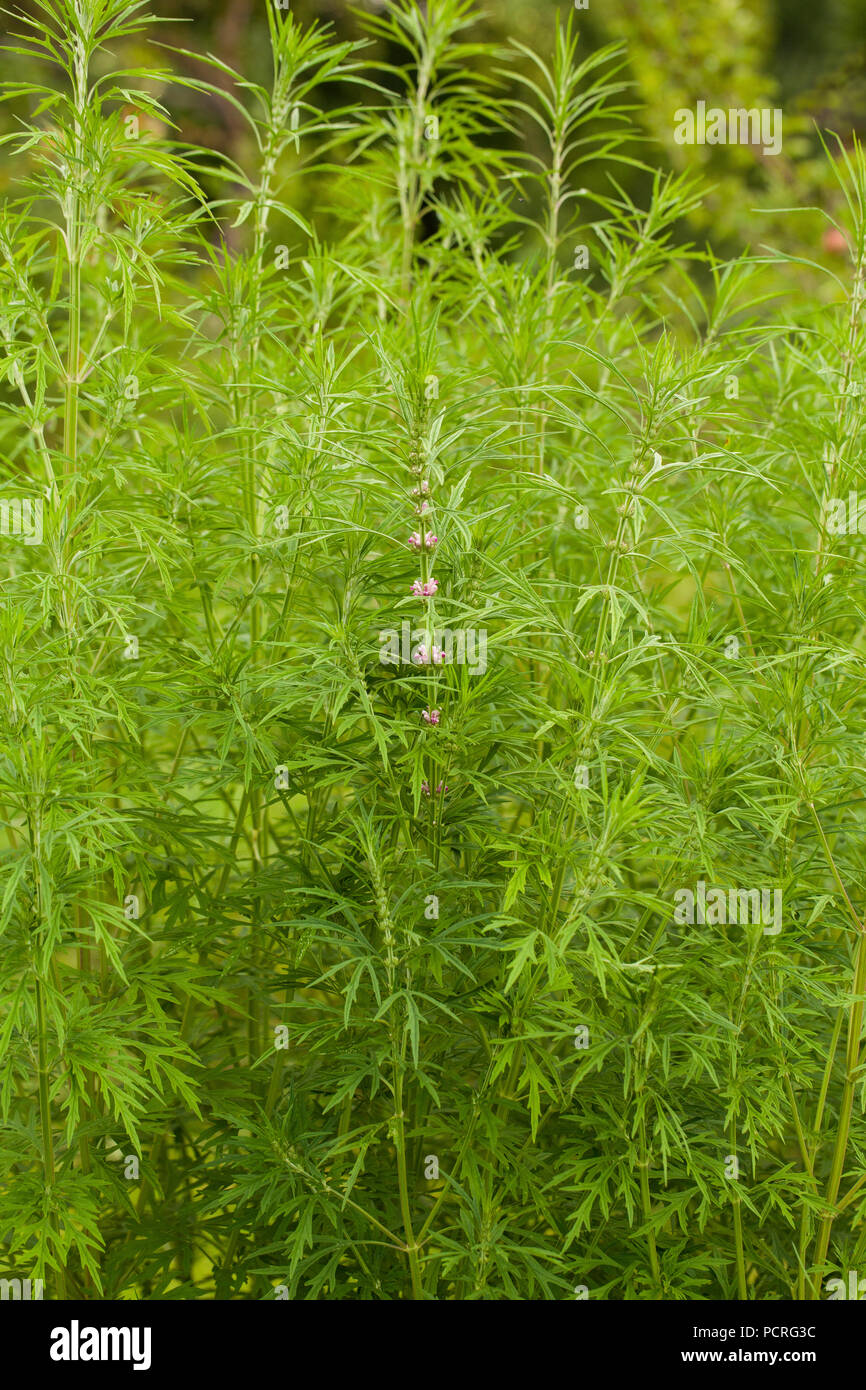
45,1121
410,190
73,256
44,1073
44,1084
398,1043
646,1204
552,240
245,417
742,1289
70,422
402,1173
852,1063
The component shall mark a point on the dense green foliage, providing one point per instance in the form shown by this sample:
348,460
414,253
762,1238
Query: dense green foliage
300,989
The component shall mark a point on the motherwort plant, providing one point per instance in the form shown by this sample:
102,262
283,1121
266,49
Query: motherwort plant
341,959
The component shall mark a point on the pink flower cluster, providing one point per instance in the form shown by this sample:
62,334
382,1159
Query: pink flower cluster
425,787
435,656
421,540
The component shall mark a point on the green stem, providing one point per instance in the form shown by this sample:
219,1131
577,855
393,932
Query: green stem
403,1177
742,1289
646,1204
48,1164
852,1063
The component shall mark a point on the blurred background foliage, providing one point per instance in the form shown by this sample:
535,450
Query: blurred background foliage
807,59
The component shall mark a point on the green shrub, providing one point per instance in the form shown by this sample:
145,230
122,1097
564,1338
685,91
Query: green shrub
331,968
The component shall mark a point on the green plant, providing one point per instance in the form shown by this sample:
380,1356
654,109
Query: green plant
329,966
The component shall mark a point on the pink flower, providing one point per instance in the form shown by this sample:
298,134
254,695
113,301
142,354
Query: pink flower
430,716
439,788
422,489
424,509
429,540
425,657
425,588
425,787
